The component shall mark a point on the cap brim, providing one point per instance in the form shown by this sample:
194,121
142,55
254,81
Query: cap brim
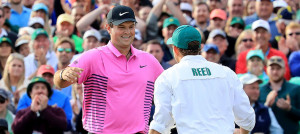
118,22
254,80
170,41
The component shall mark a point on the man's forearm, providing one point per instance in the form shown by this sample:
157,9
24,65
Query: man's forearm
153,132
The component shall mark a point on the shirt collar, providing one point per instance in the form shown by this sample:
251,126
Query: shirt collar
116,52
3,32
193,57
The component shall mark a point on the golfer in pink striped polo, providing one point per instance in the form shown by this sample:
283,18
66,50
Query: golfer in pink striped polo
118,80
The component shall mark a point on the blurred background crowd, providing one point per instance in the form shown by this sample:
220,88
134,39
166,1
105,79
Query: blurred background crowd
258,37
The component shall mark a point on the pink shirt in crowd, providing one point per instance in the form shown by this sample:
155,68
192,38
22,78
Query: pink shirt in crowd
117,93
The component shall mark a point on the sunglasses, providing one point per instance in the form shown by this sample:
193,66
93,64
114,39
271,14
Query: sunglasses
297,33
245,40
67,50
276,60
2,100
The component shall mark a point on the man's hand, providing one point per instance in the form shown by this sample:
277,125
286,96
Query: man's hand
16,96
284,104
35,105
271,98
71,74
43,102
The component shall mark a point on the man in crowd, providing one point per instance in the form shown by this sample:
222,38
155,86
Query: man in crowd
281,96
154,47
19,14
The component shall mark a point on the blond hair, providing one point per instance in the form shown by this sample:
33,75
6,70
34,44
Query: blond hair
6,77
240,38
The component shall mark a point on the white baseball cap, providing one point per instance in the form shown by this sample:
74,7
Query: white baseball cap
138,34
35,20
261,23
249,79
186,7
279,3
92,32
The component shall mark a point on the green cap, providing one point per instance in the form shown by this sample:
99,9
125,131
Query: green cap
248,27
37,32
237,20
184,35
295,80
171,21
39,80
258,53
5,39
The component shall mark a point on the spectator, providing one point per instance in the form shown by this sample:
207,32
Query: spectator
186,9
255,65
217,21
3,126
264,11
64,28
292,41
281,96
41,8
277,4
19,12
261,38
12,36
218,37
235,8
138,40
56,99
40,117
4,112
294,61
201,16
235,27
154,47
244,42
77,13
6,48
249,8
36,22
266,121
42,53
13,79
214,4
22,45
211,53
105,37
144,12
64,49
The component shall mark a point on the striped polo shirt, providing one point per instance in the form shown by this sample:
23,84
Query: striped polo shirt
117,92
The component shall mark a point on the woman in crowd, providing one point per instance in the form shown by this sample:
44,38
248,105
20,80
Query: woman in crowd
14,77
6,48
244,42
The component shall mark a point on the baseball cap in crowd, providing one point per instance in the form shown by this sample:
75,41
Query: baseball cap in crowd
39,80
6,4
40,6
261,23
216,32
3,124
285,14
184,35
279,3
45,69
22,40
276,60
258,53
65,18
237,20
186,7
218,13
5,39
3,93
37,32
138,34
105,37
35,20
171,21
92,33
210,46
249,79
120,14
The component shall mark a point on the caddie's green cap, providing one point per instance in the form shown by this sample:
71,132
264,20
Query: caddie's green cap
37,32
39,80
5,39
183,35
258,53
237,20
171,21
